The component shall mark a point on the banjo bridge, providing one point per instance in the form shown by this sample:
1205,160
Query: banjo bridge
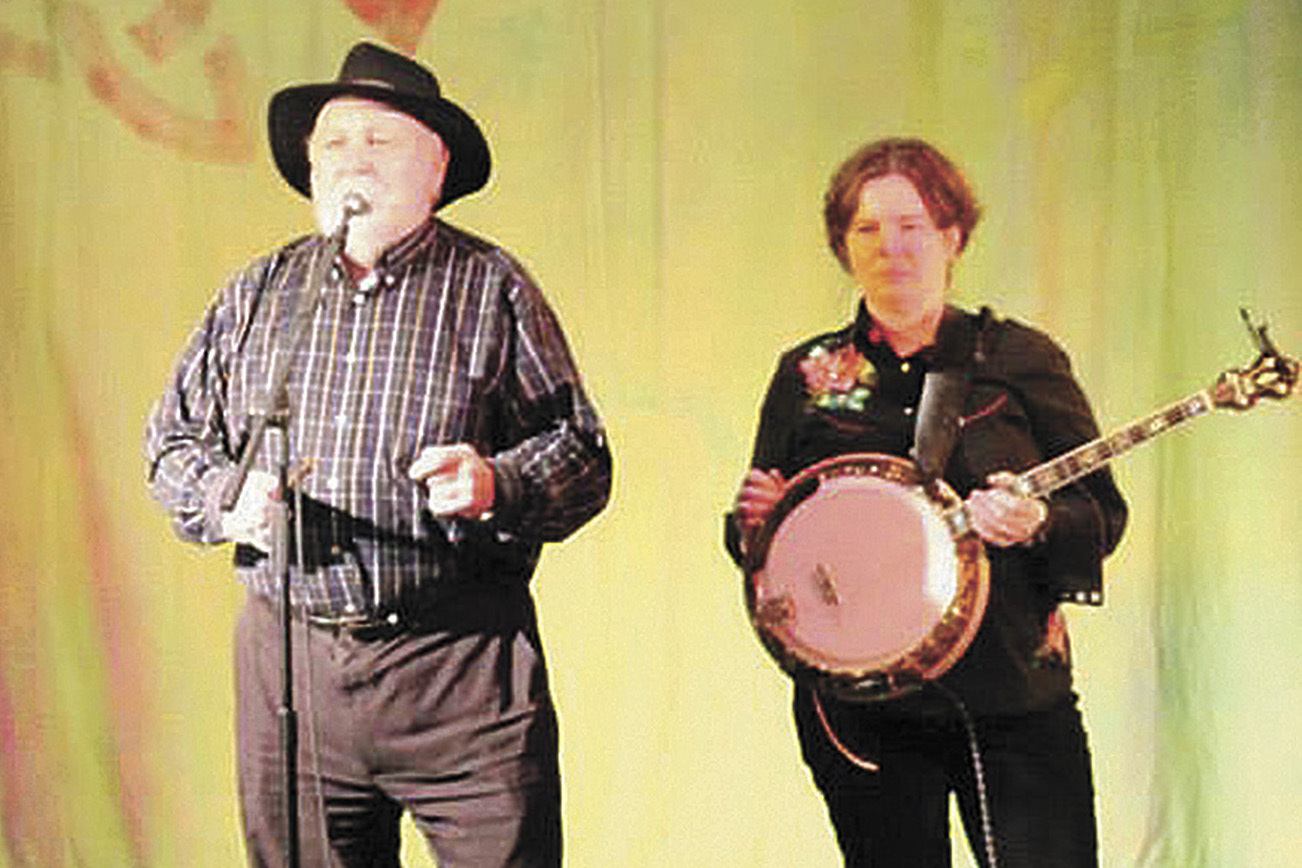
825,581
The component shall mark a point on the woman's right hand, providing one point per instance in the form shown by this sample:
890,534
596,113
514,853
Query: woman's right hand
759,493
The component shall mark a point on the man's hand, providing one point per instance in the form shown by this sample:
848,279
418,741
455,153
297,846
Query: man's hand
1002,517
760,492
458,480
250,521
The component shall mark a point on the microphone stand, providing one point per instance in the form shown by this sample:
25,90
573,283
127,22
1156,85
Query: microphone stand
272,413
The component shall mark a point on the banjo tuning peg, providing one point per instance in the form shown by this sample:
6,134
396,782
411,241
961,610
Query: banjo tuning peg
1258,334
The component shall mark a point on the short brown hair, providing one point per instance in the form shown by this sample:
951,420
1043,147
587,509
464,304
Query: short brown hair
942,187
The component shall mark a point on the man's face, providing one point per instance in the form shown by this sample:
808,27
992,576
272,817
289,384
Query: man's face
390,158
895,252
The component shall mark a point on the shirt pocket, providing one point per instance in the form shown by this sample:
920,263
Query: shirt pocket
995,432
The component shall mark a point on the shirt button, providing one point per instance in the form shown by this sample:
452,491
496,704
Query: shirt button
336,551
333,483
904,367
392,619
908,411
350,608
341,418
389,280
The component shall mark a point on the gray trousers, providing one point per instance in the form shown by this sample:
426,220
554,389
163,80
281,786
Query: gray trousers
452,722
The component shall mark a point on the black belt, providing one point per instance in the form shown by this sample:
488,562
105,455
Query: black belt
490,609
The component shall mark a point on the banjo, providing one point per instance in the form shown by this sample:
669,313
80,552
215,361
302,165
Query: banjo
867,583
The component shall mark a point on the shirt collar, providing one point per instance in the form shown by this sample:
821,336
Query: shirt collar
953,346
406,248
393,259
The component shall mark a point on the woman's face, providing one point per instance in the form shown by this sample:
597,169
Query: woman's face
899,258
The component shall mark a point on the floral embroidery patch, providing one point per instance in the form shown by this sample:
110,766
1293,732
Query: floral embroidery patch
838,377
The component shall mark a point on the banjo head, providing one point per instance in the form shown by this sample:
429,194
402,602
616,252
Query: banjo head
858,581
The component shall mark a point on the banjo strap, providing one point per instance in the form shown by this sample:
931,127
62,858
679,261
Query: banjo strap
936,431
944,394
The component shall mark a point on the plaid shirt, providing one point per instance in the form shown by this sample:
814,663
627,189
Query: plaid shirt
448,340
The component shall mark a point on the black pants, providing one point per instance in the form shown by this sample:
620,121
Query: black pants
454,725
1037,779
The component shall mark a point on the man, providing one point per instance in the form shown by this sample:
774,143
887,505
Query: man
438,433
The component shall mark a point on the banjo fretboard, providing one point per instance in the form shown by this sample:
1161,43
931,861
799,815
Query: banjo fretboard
1086,458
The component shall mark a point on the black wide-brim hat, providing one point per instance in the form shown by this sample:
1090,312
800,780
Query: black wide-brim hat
378,74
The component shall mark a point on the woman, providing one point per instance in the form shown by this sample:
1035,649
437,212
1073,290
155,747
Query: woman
898,216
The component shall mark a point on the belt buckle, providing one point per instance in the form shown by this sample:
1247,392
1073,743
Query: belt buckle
357,626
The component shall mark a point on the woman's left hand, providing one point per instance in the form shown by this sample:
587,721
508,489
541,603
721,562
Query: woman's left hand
1002,517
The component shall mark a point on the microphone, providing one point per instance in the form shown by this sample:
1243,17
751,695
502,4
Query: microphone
354,205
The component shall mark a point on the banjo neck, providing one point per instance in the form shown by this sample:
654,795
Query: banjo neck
1043,479
1272,375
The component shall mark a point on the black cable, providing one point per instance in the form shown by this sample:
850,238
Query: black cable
978,772
974,750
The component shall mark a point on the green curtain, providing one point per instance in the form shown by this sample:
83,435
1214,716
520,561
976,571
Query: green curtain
659,165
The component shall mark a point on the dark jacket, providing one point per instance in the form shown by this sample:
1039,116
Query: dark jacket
1022,407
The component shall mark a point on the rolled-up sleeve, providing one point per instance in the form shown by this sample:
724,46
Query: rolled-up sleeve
554,472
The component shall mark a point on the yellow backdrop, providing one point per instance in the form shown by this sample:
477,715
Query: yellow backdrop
659,166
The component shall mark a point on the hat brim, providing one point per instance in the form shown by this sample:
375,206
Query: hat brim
292,114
